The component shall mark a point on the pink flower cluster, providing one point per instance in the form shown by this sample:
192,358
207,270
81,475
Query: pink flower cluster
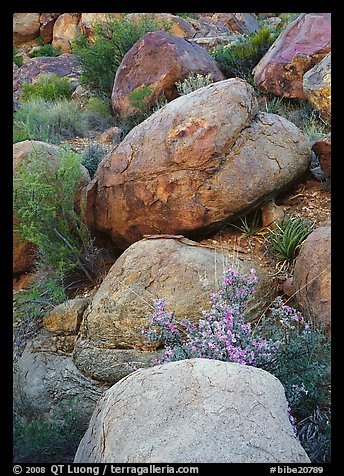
222,333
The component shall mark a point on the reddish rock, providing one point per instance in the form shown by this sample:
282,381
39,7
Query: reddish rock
178,26
242,23
66,317
65,65
271,213
303,43
158,60
202,159
25,27
322,149
312,277
47,21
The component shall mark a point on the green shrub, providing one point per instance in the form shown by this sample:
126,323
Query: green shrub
17,59
113,39
287,235
49,87
45,50
193,82
92,155
239,58
54,121
44,192
48,441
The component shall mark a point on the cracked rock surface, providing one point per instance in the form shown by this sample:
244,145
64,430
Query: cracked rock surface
192,411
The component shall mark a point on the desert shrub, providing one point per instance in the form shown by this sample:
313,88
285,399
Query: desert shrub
48,441
193,82
238,58
49,87
45,50
92,155
100,58
17,59
44,192
54,121
280,341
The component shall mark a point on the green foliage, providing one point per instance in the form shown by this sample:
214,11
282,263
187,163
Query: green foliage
17,59
139,98
45,50
193,82
287,236
92,155
44,202
54,121
186,15
49,87
239,58
48,441
100,58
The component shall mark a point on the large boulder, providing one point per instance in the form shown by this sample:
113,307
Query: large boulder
303,43
317,86
192,411
65,65
204,158
177,269
65,29
46,381
158,60
312,277
25,27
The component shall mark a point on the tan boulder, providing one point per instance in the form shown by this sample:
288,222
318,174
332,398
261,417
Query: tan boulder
203,159
25,27
157,61
66,317
47,21
312,277
178,26
87,21
300,46
317,86
65,29
177,412
242,23
177,269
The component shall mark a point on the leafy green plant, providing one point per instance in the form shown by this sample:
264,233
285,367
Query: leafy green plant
193,82
238,58
139,98
17,59
287,236
44,201
100,58
45,50
49,87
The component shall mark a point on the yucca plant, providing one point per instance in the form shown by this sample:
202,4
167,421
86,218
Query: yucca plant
250,225
287,236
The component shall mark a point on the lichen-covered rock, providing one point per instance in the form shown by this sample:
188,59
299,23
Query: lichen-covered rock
192,411
158,60
312,277
242,23
66,27
204,158
179,270
303,43
66,317
88,20
317,86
